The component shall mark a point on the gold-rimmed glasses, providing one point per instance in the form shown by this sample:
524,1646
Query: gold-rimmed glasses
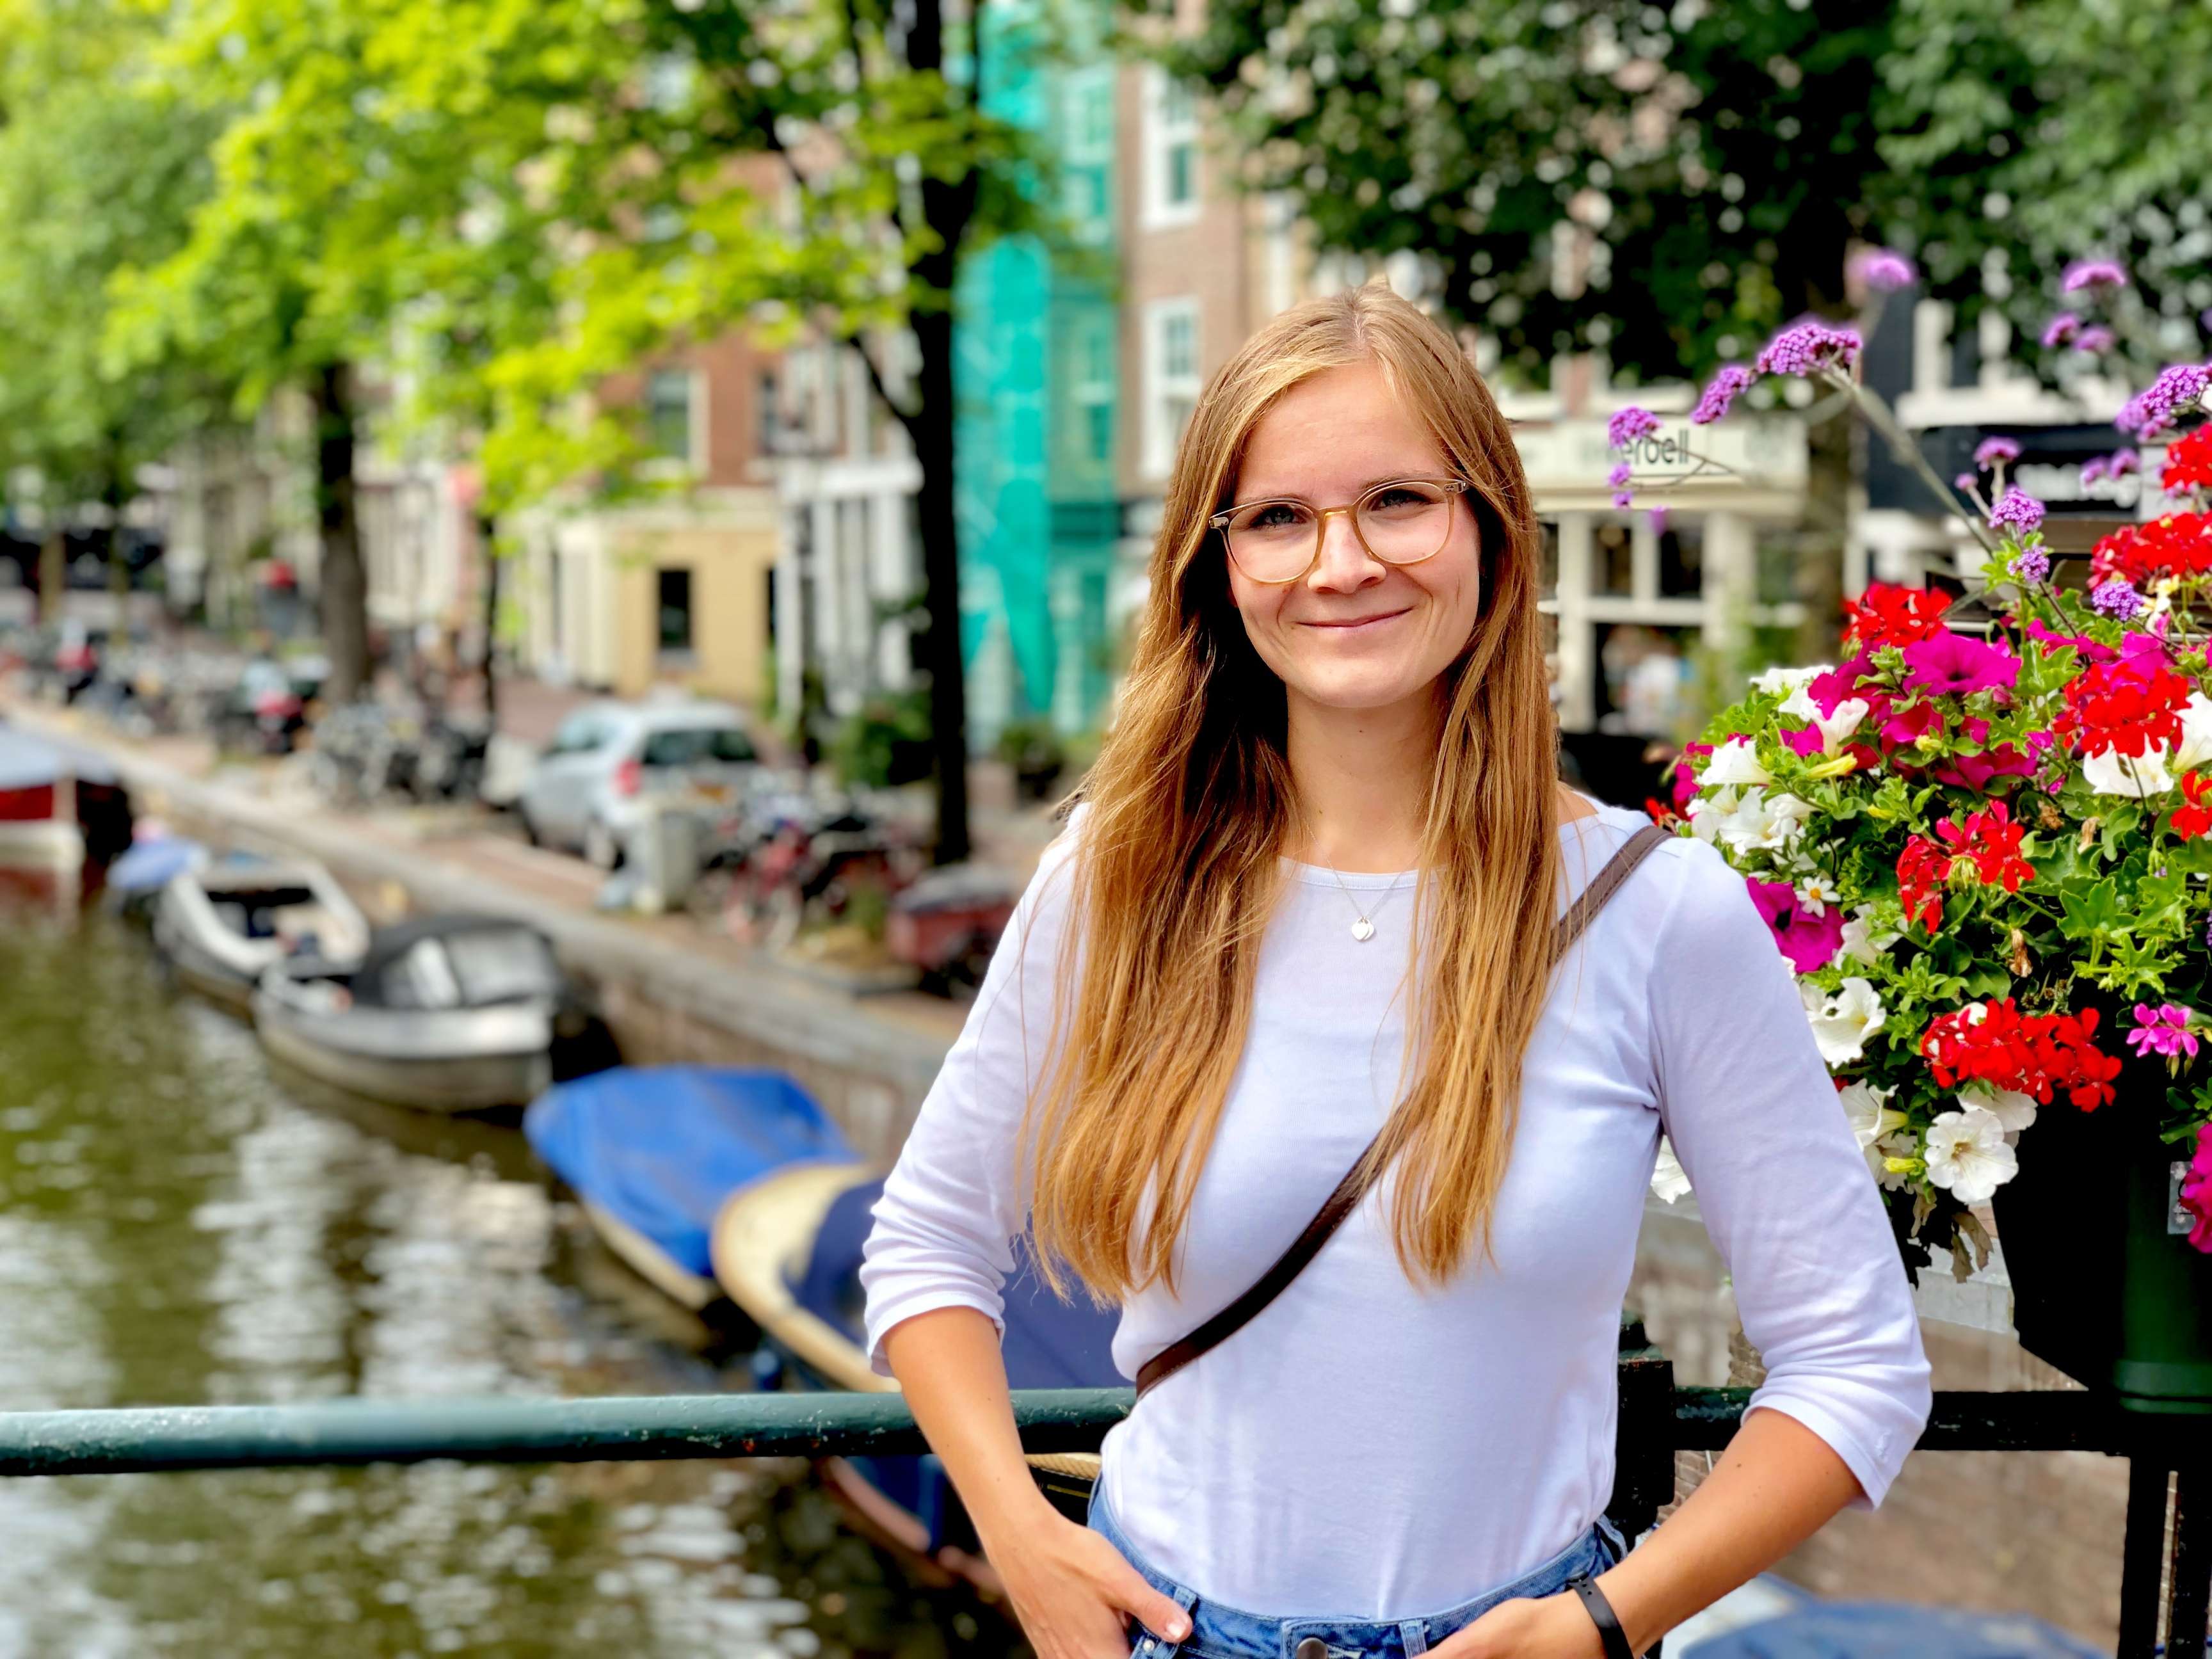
1278,541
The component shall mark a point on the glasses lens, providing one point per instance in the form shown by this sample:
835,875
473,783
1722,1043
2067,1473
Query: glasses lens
1272,541
1402,523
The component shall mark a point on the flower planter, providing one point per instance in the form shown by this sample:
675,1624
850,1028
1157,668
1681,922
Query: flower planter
2105,1284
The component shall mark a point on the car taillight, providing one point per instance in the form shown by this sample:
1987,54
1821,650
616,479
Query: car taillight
629,777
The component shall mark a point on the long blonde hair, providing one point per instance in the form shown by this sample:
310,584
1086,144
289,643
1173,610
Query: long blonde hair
1191,801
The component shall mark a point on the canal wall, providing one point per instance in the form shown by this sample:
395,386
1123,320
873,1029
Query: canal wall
663,997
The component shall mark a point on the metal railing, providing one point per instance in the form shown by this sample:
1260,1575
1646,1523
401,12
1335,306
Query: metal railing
1656,1420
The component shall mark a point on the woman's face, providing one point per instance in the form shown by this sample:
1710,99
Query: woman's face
1354,633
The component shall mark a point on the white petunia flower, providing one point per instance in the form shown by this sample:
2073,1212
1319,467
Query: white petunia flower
1967,1155
1788,680
1900,1144
2195,747
1762,823
1859,943
1735,762
1871,1120
1668,1182
1839,725
1799,704
2110,773
2012,1108
1842,1023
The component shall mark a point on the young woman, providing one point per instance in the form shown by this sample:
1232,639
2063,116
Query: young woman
1310,895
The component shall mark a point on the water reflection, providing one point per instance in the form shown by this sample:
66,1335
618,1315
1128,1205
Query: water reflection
177,1227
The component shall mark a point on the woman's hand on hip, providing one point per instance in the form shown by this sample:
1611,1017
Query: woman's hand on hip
1545,1627
1071,1589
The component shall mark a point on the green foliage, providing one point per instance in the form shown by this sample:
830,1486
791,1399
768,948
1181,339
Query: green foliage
100,163
884,744
1721,158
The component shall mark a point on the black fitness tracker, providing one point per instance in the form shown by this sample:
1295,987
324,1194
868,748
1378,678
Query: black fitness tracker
1601,1614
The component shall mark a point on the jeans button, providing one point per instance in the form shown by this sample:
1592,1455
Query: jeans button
1312,1647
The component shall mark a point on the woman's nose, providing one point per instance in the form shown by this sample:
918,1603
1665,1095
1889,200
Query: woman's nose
1344,564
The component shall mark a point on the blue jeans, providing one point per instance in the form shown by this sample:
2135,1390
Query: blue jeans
1225,1632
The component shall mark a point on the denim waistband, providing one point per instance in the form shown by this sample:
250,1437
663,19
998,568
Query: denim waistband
1218,1632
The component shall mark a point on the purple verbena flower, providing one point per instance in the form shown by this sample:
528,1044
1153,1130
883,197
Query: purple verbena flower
1992,451
2095,467
2017,511
2093,274
1628,425
1622,499
1722,390
2151,410
2094,339
1809,345
2031,566
1965,481
2161,1030
2123,462
1886,270
2117,598
2061,330
1659,519
1619,476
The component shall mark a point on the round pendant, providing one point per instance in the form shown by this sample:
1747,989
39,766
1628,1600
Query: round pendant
1362,930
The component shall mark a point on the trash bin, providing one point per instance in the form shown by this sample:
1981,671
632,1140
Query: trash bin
665,849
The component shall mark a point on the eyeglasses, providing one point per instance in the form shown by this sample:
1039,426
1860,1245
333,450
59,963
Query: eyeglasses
1401,522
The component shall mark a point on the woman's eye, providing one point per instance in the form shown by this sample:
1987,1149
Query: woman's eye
1388,498
1276,515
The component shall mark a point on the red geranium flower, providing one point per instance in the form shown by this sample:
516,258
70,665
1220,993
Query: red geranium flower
1889,613
2195,818
2178,544
1990,840
1920,873
2188,463
2037,1054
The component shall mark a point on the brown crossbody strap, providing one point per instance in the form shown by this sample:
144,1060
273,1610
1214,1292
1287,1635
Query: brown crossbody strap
1356,1180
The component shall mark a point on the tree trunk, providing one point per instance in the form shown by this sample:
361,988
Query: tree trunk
53,574
946,208
485,539
344,581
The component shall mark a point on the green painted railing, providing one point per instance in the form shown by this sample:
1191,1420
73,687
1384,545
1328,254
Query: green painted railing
1656,1420
623,1429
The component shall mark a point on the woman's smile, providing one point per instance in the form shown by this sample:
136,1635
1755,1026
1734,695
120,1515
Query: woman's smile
1350,626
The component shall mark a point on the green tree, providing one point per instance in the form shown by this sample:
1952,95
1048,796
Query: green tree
98,165
1664,185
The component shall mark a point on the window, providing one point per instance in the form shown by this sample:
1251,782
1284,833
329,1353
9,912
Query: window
1087,153
699,745
1171,379
771,434
1094,390
674,610
1171,151
668,413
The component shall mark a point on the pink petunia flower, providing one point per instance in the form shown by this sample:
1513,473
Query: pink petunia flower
1951,664
2197,1191
1808,941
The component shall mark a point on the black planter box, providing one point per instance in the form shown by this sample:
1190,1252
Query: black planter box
2106,1285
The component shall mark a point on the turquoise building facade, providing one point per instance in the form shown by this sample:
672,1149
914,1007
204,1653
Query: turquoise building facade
1036,382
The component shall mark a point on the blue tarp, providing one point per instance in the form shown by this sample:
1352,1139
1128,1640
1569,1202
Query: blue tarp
1866,1630
148,865
662,1147
1049,1344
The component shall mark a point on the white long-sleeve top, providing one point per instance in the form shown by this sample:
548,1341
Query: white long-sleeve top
1369,1448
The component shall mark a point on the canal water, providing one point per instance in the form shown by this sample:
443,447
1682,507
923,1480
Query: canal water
178,1226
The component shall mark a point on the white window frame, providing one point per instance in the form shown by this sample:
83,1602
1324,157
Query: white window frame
1167,388
1164,130
1094,383
693,463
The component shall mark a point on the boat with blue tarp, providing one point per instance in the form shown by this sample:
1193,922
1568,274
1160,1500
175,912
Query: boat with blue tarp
652,1152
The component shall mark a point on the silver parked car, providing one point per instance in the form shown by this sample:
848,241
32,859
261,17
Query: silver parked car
611,763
